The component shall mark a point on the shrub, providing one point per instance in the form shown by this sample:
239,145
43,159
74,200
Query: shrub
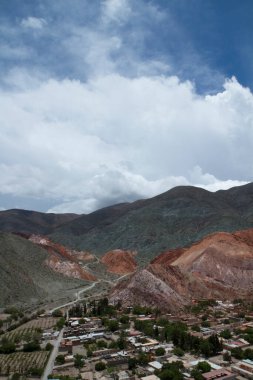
100,366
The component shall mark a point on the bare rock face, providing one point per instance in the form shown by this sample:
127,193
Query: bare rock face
64,260
219,266
119,261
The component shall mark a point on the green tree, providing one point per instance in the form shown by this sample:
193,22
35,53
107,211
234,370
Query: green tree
237,353
31,346
60,359
226,334
178,351
57,313
227,357
49,347
196,374
132,363
113,325
204,367
143,358
102,344
100,366
60,323
160,351
79,361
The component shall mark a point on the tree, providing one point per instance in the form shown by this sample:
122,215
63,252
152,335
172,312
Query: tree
204,367
226,334
237,353
100,366
57,313
160,351
196,374
143,358
206,348
124,319
60,323
31,346
215,343
227,357
102,344
49,347
172,371
60,359
15,376
132,363
113,325
7,347
121,342
178,351
79,361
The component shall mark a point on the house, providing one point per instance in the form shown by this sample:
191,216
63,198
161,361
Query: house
150,377
154,365
221,374
244,368
241,343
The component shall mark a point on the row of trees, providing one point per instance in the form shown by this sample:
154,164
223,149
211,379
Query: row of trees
181,338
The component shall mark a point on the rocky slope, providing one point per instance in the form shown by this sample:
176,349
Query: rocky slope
220,266
25,279
64,260
119,261
176,218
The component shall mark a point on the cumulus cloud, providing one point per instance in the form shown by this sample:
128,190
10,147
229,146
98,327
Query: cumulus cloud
115,139
33,22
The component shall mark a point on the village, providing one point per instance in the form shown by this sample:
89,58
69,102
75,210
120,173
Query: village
96,340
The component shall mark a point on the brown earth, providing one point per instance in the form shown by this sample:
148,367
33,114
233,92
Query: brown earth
64,260
220,266
119,261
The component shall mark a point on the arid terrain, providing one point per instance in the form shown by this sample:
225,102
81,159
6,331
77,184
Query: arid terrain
220,267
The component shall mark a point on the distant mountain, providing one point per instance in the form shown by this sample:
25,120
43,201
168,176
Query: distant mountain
32,222
218,267
26,276
173,219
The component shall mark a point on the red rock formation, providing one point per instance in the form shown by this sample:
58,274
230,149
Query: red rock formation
119,261
219,266
64,260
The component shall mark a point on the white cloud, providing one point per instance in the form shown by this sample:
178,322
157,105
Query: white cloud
116,139
115,10
33,22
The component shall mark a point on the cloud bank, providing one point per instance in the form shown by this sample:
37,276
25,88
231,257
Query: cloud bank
115,139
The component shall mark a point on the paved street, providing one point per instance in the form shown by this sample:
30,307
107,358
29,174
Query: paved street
50,363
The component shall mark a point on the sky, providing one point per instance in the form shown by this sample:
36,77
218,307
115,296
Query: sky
109,101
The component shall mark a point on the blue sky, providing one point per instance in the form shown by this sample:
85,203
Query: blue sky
114,100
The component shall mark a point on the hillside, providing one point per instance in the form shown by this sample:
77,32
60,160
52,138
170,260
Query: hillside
119,261
220,266
32,222
25,278
176,218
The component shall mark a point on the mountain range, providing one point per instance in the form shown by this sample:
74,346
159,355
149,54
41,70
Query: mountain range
173,219
51,248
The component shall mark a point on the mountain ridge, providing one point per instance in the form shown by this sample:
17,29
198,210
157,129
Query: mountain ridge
176,218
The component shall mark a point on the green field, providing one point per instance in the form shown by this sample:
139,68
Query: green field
22,362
